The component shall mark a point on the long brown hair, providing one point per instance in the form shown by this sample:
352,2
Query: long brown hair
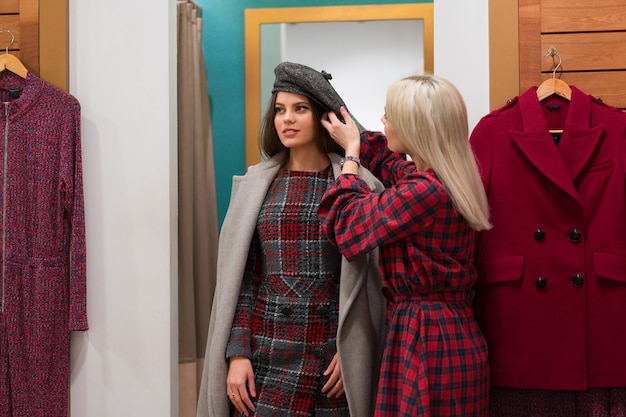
270,143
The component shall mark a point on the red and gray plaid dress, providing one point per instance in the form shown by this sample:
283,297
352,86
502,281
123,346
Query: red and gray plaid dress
435,359
287,316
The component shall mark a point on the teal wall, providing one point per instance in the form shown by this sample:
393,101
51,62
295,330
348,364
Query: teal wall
223,43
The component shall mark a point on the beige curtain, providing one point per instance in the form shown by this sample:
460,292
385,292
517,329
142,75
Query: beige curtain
198,225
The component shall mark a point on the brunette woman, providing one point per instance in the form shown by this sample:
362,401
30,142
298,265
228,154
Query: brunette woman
296,329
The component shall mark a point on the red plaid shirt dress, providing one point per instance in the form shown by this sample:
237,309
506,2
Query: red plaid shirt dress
435,359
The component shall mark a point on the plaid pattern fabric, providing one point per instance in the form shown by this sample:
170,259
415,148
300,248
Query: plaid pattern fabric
286,320
435,359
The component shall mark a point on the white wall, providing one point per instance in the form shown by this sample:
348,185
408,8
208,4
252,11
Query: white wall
365,58
462,51
122,70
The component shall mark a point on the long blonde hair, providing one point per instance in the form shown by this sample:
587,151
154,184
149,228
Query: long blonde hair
429,115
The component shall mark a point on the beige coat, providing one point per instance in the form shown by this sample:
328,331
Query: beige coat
360,335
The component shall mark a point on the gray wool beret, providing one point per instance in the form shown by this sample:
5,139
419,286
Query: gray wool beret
300,79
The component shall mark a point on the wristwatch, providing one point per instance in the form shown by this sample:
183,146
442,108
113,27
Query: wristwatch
349,158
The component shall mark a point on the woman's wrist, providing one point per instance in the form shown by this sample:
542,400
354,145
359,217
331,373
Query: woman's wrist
350,158
353,150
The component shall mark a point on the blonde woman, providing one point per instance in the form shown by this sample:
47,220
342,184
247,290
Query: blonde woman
435,359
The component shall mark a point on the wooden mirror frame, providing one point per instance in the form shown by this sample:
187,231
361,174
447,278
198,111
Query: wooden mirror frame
254,18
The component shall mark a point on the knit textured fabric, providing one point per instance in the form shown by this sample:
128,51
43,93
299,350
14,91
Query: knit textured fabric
43,240
300,79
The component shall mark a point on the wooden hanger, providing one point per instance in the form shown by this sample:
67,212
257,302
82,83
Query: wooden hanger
11,62
554,85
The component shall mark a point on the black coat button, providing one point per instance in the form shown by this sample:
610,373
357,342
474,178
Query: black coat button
578,280
318,353
541,282
575,235
540,235
322,310
286,311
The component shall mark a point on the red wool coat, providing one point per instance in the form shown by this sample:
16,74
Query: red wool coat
551,289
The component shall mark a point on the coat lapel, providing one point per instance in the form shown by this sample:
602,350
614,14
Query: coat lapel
543,155
560,165
577,149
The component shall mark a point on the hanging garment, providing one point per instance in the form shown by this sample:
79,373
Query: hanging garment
551,289
42,233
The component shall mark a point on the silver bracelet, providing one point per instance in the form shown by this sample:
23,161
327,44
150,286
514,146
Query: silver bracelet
349,158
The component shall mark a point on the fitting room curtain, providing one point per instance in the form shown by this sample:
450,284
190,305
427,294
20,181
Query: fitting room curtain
197,209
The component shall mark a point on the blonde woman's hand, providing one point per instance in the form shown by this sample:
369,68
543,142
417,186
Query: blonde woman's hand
240,384
334,385
345,134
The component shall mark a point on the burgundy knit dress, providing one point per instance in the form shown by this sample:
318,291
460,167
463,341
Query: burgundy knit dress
42,236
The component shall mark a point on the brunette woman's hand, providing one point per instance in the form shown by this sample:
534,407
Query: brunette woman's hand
334,385
240,384
345,134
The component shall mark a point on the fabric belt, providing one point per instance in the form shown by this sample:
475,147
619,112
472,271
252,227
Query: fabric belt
441,296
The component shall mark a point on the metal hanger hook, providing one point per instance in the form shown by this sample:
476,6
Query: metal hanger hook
12,39
551,52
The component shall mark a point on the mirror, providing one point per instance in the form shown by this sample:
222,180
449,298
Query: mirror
280,20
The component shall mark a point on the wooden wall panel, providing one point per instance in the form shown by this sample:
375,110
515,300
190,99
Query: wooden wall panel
53,42
530,55
587,51
9,6
503,52
40,30
29,34
21,17
590,38
582,15
606,85
10,22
